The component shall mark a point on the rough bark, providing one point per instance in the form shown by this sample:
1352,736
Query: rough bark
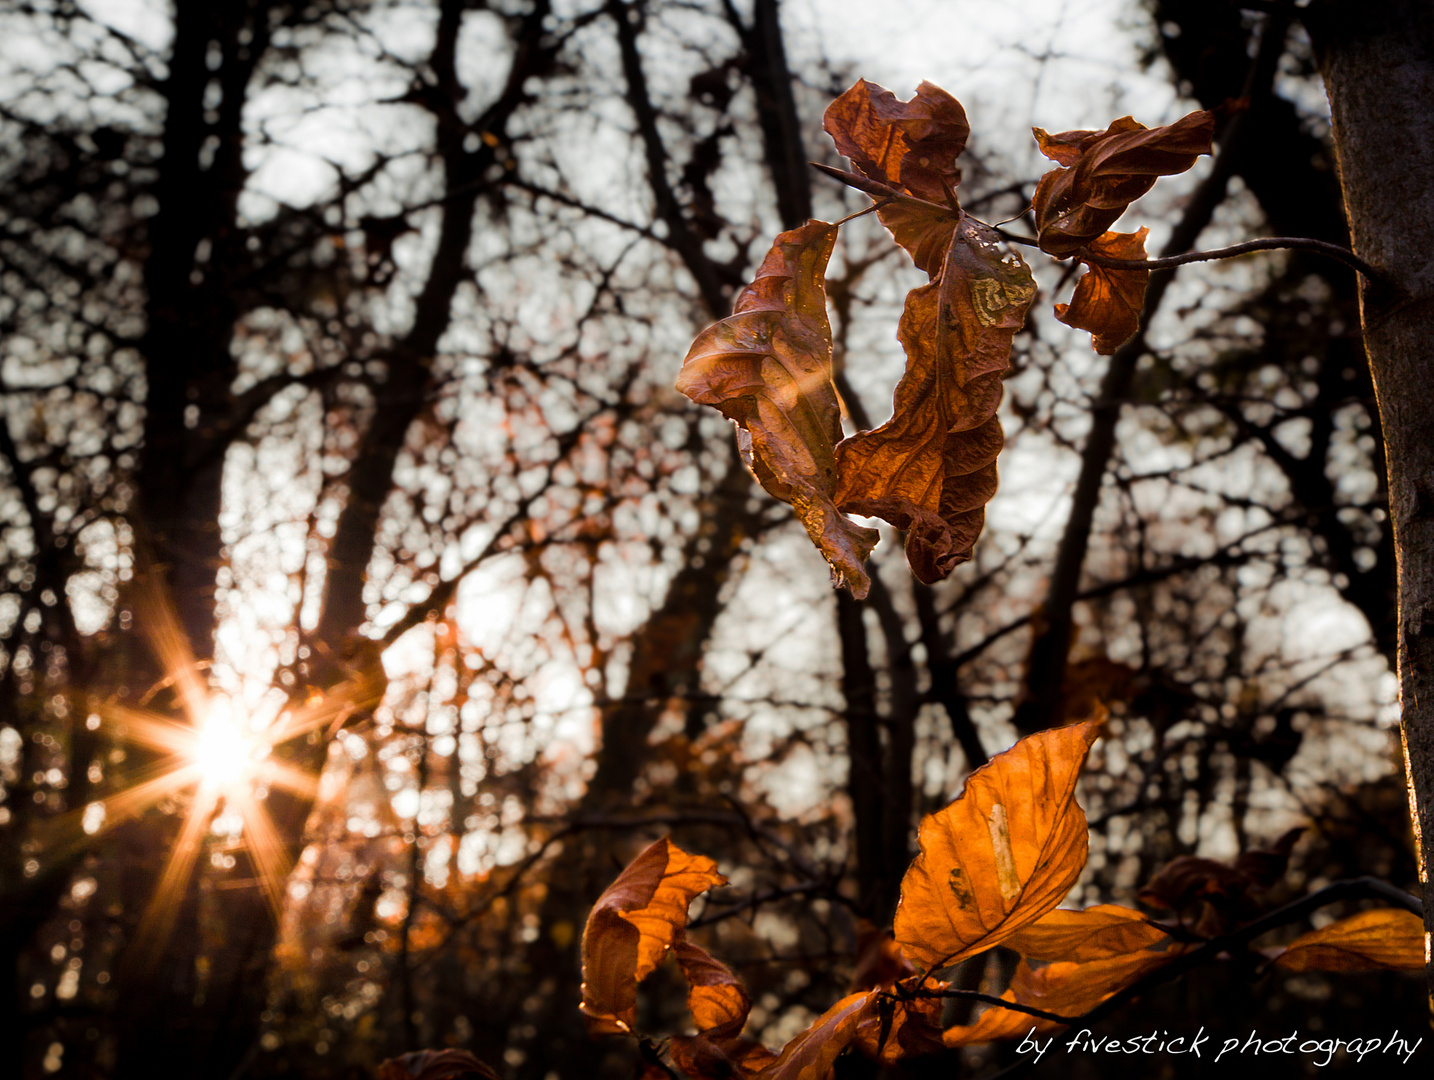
1378,65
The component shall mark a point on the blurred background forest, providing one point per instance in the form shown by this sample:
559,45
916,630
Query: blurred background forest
368,597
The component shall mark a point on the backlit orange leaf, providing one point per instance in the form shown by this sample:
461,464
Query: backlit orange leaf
931,468
811,1054
729,1058
1103,172
1093,934
768,367
1107,302
1382,938
1065,988
633,925
1002,855
716,998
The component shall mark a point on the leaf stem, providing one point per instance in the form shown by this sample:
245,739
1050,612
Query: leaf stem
862,213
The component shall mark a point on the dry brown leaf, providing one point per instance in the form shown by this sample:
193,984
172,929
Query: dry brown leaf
716,998
1103,172
912,145
931,468
1093,934
768,367
1108,302
1214,897
1382,938
632,927
879,959
907,146
811,1054
436,1065
1002,855
698,1056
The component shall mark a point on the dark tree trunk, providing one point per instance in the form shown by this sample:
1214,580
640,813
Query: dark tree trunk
1378,64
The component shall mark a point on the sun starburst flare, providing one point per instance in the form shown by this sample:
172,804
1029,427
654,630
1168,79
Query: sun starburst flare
218,752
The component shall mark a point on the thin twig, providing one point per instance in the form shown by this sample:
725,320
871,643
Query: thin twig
876,189
1264,243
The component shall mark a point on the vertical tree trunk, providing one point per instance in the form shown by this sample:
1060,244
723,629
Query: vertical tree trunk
1378,65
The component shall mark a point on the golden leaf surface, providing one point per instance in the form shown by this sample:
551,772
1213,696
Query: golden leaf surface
931,468
1093,934
1066,988
716,998
1382,938
633,925
1002,855
768,367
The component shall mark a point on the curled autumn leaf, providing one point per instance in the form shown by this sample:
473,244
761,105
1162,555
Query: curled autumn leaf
1093,934
1002,855
897,1028
716,998
1382,938
732,1058
911,145
811,1054
768,367
635,922
436,1065
931,468
1107,301
1103,172
907,147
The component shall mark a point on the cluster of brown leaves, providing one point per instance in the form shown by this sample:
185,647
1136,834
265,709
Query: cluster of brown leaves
993,866
1102,173
931,469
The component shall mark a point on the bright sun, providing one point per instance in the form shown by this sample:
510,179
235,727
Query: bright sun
224,749
210,746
